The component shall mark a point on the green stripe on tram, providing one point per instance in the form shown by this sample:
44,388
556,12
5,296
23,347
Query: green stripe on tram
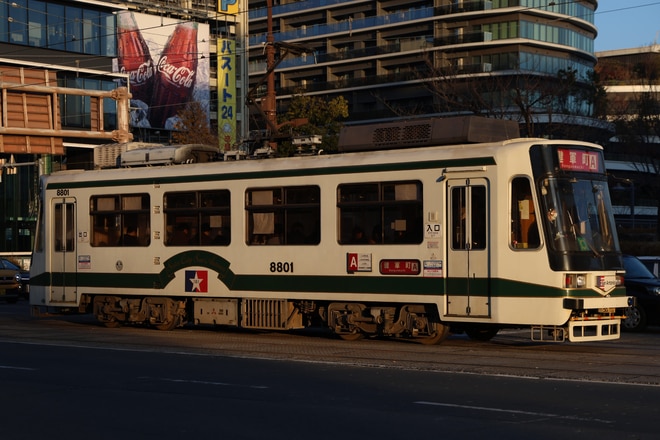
293,284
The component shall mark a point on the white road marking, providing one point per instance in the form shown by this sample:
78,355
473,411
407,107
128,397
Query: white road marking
513,411
204,382
10,367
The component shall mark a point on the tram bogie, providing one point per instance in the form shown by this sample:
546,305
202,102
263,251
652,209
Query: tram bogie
408,244
159,312
419,322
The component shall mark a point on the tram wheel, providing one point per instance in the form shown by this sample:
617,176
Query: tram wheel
112,323
351,336
167,325
439,334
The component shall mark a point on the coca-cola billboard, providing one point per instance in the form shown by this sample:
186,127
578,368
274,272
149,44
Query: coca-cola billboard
167,62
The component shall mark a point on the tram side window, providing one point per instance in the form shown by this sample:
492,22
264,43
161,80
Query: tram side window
64,227
197,218
469,217
478,217
524,226
283,216
380,213
120,220
458,215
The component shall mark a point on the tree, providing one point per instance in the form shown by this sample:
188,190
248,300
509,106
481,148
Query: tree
544,104
323,118
193,126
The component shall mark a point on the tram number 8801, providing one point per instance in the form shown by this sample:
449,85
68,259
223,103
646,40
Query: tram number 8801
281,267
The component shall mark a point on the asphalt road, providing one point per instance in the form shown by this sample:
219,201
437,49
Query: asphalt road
68,377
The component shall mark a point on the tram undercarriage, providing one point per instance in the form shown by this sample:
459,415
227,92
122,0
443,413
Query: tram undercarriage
160,312
350,321
419,322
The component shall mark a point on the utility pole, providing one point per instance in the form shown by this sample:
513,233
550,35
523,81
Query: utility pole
268,104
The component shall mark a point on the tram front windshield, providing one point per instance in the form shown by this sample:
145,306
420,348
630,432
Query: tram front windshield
578,216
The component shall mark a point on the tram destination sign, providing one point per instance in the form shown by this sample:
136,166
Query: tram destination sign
579,160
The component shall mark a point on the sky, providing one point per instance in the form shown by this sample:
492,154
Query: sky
624,24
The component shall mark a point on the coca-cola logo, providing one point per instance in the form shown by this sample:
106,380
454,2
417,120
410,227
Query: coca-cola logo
140,75
179,75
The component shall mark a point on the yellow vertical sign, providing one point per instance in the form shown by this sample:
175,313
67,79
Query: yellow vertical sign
227,93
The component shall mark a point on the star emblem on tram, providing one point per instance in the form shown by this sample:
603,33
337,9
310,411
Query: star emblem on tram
196,281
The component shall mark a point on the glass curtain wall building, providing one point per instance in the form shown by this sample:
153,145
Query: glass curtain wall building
394,58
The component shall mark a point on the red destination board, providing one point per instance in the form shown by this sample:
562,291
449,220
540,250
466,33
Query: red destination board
579,160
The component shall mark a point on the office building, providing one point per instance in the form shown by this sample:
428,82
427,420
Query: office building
395,58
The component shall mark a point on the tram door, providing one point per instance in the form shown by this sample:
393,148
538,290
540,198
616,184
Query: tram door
63,255
468,265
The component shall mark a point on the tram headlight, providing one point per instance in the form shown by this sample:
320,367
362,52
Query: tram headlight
575,280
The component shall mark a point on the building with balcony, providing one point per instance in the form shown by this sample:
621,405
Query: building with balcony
395,58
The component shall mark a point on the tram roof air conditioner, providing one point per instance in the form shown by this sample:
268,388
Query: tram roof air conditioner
168,155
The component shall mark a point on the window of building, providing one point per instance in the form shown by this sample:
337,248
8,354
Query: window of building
76,110
57,26
37,24
380,213
283,216
74,34
108,29
197,218
18,21
120,220
91,32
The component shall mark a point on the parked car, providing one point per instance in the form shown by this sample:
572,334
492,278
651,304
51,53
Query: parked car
10,281
25,284
645,287
652,263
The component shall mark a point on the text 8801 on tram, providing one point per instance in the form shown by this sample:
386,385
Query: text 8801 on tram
408,242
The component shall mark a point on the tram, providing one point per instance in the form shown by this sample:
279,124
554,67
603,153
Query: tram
416,240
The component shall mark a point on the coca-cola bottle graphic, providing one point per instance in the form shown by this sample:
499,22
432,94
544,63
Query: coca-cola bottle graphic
175,74
134,58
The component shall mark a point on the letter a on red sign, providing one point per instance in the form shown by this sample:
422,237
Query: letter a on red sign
352,262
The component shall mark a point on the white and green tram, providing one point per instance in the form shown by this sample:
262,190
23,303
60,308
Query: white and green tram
404,242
